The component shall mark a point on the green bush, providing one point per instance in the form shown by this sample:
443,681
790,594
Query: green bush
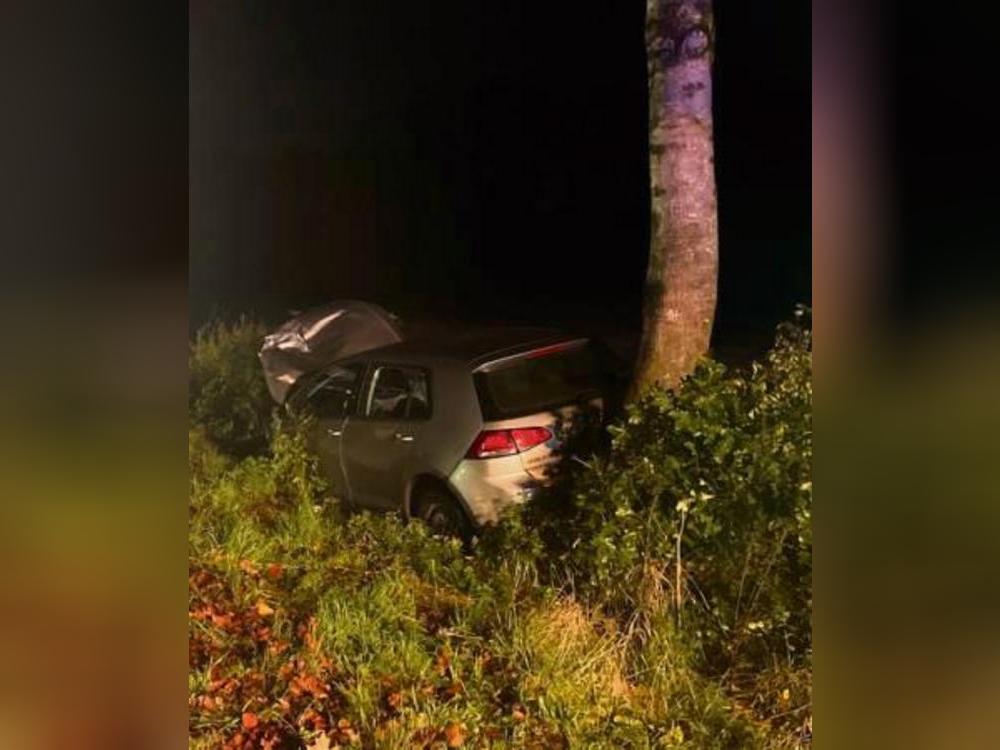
228,396
698,518
715,476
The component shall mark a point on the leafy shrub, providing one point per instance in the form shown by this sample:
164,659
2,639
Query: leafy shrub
701,511
228,396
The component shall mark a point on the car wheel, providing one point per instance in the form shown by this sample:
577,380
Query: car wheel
441,512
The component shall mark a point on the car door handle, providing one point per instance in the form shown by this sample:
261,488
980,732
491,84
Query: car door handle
334,433
403,437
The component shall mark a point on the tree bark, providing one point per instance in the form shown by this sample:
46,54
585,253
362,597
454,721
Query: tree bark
681,280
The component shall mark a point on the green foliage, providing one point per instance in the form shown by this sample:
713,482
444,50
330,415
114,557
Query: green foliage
397,637
563,630
228,396
700,517
715,476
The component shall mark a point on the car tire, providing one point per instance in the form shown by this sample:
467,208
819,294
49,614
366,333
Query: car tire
442,513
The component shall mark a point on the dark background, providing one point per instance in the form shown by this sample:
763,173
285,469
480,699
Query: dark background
480,160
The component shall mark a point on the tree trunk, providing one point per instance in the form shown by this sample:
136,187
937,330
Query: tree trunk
681,280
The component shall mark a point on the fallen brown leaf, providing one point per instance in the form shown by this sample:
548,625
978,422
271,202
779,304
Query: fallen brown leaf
443,660
454,734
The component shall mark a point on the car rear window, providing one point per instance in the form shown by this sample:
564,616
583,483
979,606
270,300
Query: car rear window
538,381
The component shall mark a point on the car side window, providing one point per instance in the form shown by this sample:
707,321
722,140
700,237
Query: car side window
399,393
335,396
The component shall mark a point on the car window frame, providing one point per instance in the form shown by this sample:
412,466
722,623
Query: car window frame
369,389
362,379
492,412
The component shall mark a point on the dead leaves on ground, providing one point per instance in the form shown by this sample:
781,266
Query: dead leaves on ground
254,709
298,703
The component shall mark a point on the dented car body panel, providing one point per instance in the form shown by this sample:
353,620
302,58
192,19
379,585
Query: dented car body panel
322,335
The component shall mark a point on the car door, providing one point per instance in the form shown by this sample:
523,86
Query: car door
331,398
378,443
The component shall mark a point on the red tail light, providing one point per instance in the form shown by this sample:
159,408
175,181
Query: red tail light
491,443
494,443
529,437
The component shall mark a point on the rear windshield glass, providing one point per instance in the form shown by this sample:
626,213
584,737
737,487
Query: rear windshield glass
537,383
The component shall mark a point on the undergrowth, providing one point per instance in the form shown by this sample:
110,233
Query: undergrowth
664,603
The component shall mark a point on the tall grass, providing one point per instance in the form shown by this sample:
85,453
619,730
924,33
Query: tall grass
314,627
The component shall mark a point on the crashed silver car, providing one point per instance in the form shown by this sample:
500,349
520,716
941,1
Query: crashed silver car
450,425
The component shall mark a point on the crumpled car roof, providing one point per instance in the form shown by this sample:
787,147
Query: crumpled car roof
323,335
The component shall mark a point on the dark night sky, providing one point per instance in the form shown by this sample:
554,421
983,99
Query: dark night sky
479,160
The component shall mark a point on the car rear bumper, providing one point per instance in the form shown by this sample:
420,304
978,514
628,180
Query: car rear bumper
488,486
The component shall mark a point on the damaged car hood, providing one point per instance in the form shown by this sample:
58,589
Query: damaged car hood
320,336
